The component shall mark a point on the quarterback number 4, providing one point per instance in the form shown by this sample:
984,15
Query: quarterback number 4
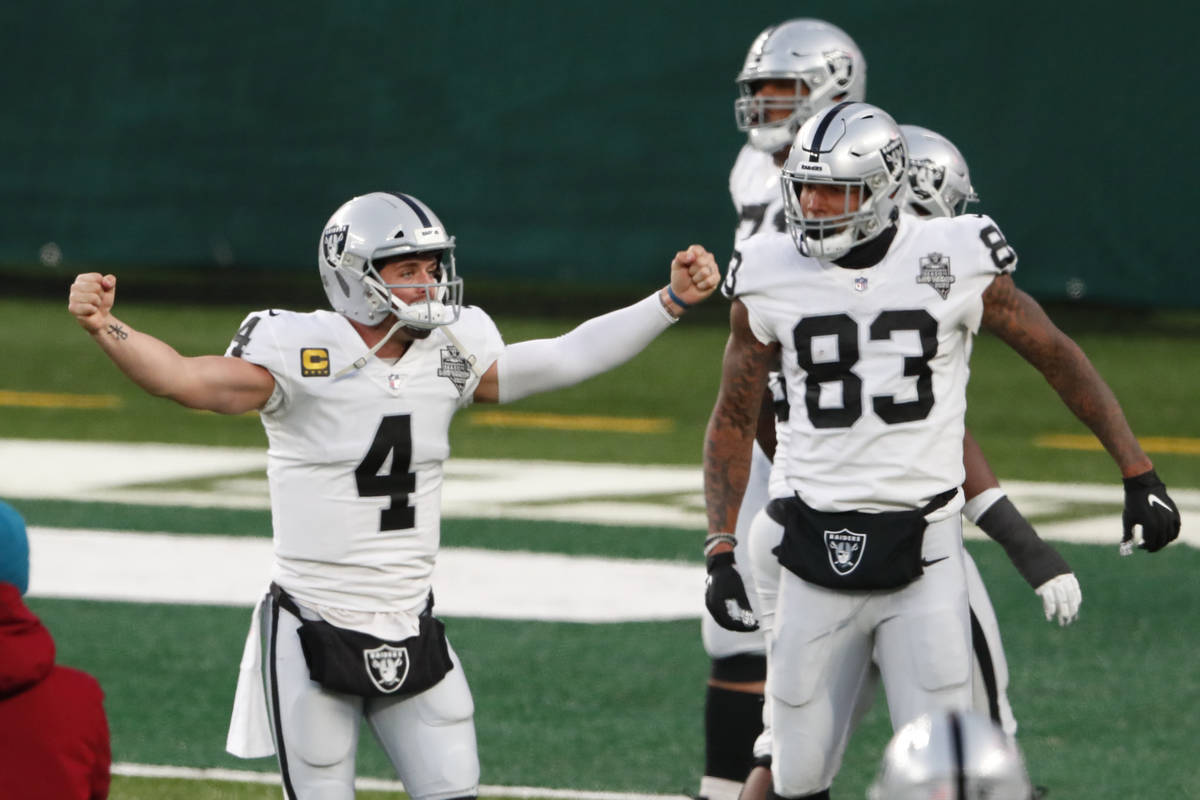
242,337
844,330
394,438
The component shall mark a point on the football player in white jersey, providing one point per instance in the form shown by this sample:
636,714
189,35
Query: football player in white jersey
792,71
871,315
939,186
357,403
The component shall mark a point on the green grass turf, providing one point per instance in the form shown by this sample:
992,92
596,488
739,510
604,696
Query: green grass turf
1152,372
1104,705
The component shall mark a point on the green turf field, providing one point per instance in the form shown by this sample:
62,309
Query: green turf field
1106,706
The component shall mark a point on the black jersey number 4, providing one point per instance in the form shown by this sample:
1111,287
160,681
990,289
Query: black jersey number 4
394,438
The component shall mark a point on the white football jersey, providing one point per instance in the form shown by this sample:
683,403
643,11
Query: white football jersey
355,463
876,359
756,194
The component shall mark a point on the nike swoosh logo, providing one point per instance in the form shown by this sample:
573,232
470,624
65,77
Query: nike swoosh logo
925,562
273,312
1154,499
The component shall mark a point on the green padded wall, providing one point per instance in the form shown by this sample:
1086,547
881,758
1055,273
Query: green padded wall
575,142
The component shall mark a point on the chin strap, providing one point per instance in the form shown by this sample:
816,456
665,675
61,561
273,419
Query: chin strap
361,362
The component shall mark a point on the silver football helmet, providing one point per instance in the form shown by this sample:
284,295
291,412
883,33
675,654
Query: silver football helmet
951,755
856,148
821,58
939,183
376,226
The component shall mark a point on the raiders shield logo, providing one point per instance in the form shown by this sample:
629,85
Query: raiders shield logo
840,65
845,548
387,667
935,270
893,158
924,174
333,244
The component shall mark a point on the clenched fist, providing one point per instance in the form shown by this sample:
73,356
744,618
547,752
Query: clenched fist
91,300
694,275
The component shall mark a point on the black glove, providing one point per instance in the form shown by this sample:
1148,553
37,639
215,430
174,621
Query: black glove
725,594
1148,505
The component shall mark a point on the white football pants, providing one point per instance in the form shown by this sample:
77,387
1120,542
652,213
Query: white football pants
825,643
429,737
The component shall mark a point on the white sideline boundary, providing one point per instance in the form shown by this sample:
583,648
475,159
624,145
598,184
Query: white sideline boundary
370,784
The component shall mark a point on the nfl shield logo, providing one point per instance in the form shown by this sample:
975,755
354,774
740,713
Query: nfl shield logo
860,284
333,244
845,549
387,667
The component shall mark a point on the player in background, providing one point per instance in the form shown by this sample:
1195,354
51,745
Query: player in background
842,303
357,404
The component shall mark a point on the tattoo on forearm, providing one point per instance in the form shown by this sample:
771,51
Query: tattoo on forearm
730,436
1023,324
118,331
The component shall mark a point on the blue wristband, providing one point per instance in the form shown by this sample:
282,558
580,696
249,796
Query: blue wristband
675,298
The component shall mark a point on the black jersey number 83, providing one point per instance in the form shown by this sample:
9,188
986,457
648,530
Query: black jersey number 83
841,371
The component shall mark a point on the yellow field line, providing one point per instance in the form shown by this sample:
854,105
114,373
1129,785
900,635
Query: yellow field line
1151,444
52,400
570,422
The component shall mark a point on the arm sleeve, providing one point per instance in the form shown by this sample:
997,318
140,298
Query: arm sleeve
596,346
1035,558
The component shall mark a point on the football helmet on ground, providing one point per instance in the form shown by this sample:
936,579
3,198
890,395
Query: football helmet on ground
374,227
821,58
939,183
856,148
951,755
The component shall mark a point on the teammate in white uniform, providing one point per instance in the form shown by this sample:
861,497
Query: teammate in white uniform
357,407
872,321
792,71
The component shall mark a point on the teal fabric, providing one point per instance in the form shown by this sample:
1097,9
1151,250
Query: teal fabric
14,548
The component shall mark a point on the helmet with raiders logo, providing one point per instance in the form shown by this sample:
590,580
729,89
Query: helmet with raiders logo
951,755
857,149
381,225
823,61
939,183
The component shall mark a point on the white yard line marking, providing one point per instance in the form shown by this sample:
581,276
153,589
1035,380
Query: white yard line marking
610,494
234,571
371,784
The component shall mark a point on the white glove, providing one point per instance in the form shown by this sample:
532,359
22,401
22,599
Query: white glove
1061,596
